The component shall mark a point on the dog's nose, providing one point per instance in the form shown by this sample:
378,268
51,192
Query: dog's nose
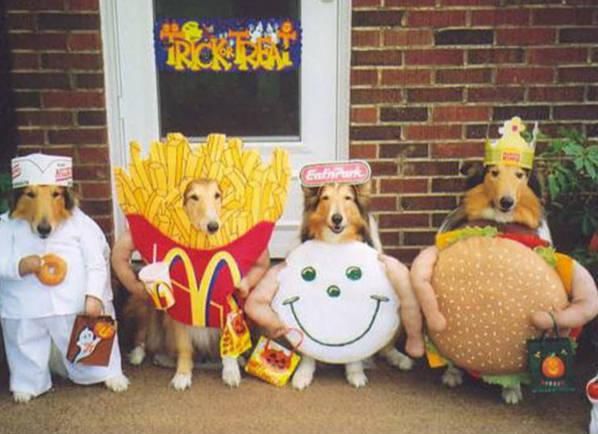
506,202
337,219
44,229
213,227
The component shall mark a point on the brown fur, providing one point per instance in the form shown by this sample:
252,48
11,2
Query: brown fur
482,201
156,332
43,206
347,201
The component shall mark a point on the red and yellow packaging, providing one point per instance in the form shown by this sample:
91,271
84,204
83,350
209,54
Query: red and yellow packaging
272,362
235,339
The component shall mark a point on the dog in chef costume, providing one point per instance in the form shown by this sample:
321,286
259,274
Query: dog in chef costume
37,318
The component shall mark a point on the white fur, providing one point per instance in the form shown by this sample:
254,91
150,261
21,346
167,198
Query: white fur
22,397
137,355
452,377
304,374
181,381
231,374
396,359
512,395
117,384
355,375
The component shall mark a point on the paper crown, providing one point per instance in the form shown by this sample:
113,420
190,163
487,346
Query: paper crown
41,169
511,149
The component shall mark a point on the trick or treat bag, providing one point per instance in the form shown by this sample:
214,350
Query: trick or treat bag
235,338
550,362
91,340
272,362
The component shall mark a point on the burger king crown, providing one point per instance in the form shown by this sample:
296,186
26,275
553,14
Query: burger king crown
511,149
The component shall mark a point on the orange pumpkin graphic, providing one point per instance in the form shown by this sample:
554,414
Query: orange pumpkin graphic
553,367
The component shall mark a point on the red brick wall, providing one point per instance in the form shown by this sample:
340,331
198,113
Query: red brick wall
428,77
58,90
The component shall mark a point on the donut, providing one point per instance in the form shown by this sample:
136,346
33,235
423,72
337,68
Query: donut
487,289
52,271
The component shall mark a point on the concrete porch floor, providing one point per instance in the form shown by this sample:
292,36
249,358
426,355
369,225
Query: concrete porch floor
393,402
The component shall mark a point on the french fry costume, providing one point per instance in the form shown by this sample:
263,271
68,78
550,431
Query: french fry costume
204,269
489,278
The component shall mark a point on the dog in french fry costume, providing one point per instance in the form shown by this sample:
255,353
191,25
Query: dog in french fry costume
54,265
208,270
491,282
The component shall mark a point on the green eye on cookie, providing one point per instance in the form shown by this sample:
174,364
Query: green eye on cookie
308,274
353,273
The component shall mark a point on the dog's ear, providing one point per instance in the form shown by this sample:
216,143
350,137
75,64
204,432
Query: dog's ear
14,199
364,192
474,172
71,200
534,183
310,197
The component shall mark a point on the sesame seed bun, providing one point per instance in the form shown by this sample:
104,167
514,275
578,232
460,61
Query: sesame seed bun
487,289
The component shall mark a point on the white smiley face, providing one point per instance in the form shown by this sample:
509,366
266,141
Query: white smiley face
338,296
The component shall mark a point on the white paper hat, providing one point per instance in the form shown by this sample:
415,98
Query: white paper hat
41,169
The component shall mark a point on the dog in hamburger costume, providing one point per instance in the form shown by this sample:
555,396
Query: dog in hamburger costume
492,281
53,266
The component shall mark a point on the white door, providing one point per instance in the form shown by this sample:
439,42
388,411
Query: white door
311,121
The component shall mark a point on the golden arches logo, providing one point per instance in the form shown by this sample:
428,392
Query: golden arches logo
199,293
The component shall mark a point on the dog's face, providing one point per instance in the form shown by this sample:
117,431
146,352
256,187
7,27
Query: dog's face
43,206
504,186
336,210
202,202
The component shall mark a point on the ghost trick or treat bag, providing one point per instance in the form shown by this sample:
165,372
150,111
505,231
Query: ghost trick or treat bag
91,340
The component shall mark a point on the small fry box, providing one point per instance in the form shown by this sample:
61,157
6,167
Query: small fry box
91,340
272,362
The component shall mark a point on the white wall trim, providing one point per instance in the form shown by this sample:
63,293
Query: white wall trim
112,89
343,73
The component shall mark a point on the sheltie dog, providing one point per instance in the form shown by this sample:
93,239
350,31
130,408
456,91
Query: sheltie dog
337,213
502,194
158,332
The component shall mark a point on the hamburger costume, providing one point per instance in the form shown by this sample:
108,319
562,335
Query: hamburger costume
34,314
488,280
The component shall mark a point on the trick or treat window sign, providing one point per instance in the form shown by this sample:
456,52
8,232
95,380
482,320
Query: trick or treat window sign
227,45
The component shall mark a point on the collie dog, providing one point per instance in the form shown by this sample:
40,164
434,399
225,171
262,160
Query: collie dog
502,194
338,213
44,207
156,331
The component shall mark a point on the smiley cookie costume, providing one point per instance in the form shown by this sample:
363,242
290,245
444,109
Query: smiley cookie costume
33,314
340,299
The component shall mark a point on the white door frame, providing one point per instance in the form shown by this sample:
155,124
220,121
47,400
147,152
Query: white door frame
115,68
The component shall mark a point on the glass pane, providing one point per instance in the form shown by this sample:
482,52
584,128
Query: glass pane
240,103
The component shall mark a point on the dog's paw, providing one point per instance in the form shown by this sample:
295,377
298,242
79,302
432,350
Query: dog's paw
164,361
137,355
357,379
22,397
302,379
181,381
512,395
231,374
117,384
399,360
452,377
